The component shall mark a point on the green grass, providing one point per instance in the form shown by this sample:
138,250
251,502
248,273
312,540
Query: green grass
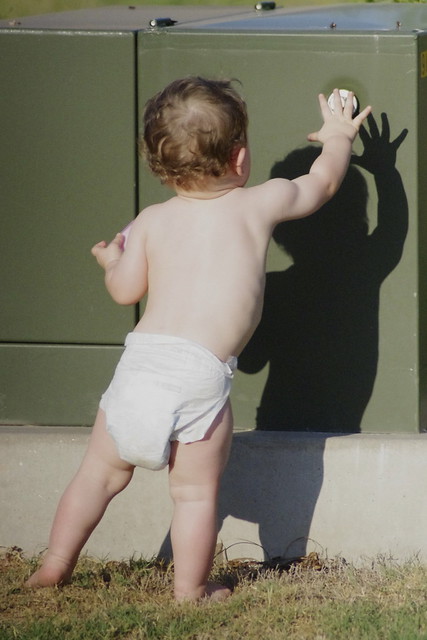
319,600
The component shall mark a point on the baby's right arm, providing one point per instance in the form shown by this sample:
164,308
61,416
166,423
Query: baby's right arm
302,196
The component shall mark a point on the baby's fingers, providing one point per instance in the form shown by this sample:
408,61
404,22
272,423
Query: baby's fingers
348,106
358,120
326,113
313,137
324,107
118,239
97,246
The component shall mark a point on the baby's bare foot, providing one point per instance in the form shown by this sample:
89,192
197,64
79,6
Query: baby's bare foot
213,591
217,592
53,572
46,578
41,578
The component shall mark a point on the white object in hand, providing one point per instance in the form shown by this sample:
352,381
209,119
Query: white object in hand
344,95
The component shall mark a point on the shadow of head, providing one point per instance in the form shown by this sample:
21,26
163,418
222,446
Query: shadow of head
340,222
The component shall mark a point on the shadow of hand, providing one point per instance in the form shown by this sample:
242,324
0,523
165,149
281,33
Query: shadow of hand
379,154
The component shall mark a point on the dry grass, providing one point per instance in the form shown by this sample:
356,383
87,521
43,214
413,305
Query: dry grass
308,598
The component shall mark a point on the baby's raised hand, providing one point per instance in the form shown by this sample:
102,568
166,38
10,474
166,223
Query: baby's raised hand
339,120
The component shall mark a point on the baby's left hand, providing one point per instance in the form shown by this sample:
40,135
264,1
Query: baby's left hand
339,120
106,254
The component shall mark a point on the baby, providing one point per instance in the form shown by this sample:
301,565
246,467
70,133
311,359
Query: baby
200,259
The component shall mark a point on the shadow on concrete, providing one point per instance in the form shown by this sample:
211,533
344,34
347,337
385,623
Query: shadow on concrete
273,480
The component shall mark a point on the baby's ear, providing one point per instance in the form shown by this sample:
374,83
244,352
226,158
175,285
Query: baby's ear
238,159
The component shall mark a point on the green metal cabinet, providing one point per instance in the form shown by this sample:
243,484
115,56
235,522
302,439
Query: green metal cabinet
69,178
75,94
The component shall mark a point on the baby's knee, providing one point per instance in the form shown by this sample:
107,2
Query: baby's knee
118,480
193,493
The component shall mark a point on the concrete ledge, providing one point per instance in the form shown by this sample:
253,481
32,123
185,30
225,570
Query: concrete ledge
283,494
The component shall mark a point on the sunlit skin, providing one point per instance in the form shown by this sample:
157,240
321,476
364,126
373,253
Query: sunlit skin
200,256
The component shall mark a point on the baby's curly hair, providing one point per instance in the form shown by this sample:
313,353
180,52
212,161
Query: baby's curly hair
191,129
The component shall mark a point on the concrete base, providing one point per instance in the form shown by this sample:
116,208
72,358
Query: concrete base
283,494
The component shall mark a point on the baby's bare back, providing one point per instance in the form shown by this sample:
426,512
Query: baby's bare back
206,270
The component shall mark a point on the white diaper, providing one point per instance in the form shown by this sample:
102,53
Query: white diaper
164,388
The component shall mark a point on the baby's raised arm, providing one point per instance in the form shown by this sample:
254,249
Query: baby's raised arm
337,135
302,196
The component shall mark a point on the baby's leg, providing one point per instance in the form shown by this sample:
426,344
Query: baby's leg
195,471
100,477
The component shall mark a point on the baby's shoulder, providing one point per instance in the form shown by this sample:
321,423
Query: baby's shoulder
274,184
151,213
270,191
